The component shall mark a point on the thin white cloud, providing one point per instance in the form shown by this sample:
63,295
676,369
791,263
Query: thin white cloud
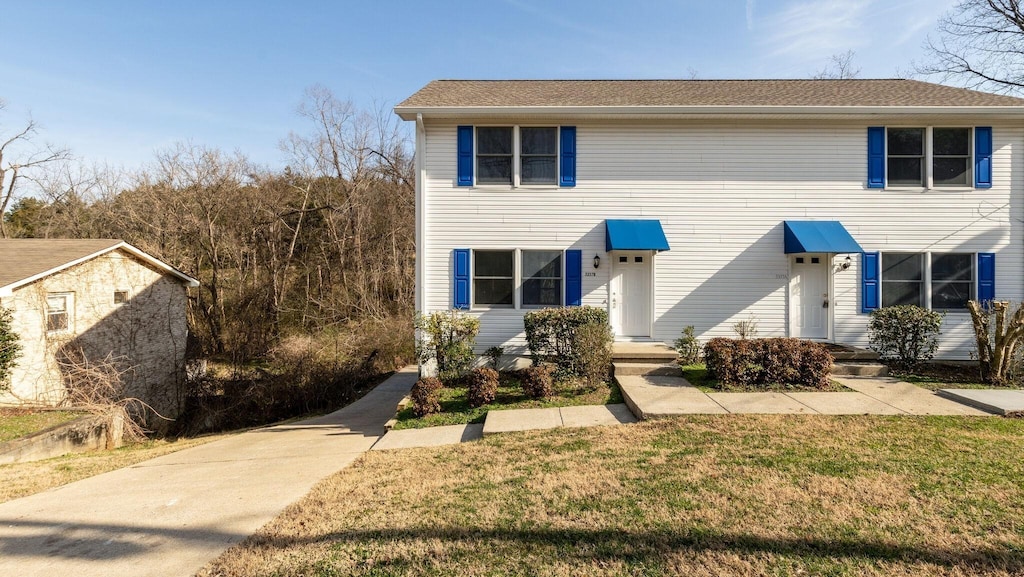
750,14
816,28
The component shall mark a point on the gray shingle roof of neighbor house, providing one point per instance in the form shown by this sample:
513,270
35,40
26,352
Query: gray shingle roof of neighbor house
25,260
484,94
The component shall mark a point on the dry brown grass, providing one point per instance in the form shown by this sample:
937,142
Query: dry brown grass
23,479
709,495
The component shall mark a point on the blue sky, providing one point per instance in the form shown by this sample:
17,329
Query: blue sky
117,80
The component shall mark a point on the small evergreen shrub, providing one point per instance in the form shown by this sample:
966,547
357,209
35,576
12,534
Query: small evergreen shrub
688,347
10,348
482,387
553,336
494,355
447,337
758,362
904,334
537,382
426,396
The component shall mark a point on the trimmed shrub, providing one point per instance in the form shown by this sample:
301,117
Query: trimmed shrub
593,344
553,336
904,334
426,396
482,387
447,337
688,347
758,362
537,382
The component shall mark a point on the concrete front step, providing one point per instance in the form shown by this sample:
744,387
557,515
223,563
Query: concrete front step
860,369
633,368
643,352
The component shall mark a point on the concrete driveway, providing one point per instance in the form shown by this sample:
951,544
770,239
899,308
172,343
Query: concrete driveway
173,514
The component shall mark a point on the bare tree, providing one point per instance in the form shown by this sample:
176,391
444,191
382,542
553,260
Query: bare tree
18,157
980,43
840,67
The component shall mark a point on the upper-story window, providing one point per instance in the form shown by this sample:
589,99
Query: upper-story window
939,157
517,155
538,155
58,312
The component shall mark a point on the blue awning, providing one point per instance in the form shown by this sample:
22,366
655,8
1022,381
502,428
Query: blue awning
634,235
818,236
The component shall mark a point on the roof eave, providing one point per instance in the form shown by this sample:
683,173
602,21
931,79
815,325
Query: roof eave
410,112
8,290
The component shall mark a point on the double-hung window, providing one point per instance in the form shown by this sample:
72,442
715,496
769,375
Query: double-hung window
941,281
493,278
542,278
58,312
517,155
928,157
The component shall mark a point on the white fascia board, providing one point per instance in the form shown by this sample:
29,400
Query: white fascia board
8,290
410,113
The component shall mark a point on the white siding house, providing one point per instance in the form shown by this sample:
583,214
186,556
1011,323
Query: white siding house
515,177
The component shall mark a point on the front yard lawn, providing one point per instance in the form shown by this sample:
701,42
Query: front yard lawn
455,409
703,495
698,376
17,423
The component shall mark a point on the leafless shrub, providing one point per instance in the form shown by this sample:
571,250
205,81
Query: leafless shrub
98,388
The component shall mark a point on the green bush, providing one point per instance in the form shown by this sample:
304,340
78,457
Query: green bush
594,353
10,348
482,387
688,347
537,382
426,396
494,355
758,362
447,337
904,334
553,335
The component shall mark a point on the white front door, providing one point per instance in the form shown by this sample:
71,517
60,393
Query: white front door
808,296
631,294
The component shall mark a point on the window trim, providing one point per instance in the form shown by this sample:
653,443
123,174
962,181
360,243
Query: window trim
69,312
517,279
929,159
926,273
517,167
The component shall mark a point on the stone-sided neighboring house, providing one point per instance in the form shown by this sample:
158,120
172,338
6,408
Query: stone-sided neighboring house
98,300
801,204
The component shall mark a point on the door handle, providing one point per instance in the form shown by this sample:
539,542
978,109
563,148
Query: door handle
824,303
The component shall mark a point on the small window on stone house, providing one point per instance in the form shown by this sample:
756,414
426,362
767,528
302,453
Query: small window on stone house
120,297
58,312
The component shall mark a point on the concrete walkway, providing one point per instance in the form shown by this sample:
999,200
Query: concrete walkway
173,514
661,396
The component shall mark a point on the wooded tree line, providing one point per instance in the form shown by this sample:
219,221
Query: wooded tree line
328,240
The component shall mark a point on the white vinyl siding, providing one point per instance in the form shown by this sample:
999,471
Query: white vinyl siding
722,191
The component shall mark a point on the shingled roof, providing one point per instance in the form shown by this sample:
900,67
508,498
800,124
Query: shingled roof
696,93
24,260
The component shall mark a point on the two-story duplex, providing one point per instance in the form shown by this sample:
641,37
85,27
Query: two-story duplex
800,204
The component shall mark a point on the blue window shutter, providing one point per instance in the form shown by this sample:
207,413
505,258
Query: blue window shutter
567,161
876,157
986,276
573,278
461,278
870,287
983,157
465,156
